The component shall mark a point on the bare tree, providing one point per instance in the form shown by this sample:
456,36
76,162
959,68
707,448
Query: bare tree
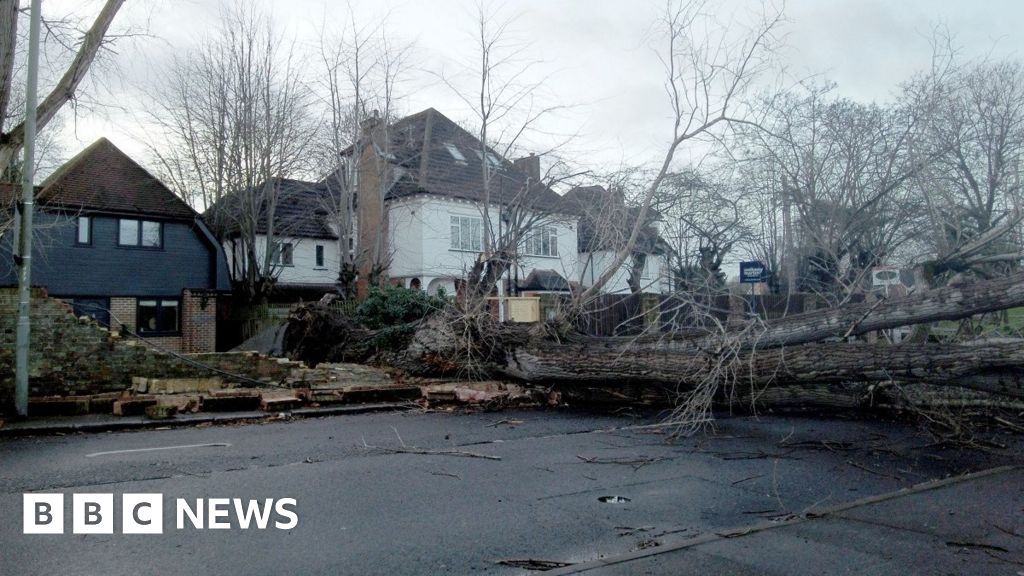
233,117
85,45
362,72
971,189
845,169
708,67
704,220
506,106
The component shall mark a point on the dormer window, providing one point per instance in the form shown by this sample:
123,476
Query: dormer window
455,152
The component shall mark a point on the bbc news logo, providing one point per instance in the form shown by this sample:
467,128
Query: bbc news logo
144,513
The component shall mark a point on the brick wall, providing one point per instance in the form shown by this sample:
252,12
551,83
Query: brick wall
70,355
198,322
76,356
122,311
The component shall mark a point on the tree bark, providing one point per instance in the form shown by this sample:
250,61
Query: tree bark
992,368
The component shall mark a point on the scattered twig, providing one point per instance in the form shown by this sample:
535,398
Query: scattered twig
449,474
741,455
1009,424
748,478
512,422
1008,531
647,543
1001,559
677,531
819,444
875,472
636,463
533,564
428,452
978,545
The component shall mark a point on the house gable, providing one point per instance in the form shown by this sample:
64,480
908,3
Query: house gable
102,178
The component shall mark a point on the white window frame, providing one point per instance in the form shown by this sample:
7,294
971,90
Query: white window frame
466,233
535,240
280,249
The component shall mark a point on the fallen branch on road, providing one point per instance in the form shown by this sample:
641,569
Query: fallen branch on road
403,449
533,564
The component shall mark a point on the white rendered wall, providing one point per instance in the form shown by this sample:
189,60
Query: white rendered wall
420,242
303,269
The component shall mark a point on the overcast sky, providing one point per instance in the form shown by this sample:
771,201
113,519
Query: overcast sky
596,56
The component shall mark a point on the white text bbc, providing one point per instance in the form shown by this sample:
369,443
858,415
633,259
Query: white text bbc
143,513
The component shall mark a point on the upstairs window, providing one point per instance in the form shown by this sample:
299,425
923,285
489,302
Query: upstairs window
139,233
542,242
319,256
467,233
84,234
282,254
158,316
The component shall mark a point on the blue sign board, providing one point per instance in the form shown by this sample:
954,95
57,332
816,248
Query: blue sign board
753,272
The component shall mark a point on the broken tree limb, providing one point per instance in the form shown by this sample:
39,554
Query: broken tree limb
948,303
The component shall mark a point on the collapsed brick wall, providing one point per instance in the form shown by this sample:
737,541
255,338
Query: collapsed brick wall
72,356
69,355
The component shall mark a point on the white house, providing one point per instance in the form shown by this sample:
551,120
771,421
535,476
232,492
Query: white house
434,206
306,249
605,223
426,221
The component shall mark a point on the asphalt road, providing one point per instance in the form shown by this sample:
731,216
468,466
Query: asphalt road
364,509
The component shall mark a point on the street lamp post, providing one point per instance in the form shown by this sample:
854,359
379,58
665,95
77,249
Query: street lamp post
25,236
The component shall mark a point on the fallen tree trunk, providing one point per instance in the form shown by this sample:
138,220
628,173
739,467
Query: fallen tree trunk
799,353
992,368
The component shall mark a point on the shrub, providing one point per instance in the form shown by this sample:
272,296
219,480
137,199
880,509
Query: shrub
394,306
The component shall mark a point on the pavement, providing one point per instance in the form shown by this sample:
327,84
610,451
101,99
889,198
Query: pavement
458,493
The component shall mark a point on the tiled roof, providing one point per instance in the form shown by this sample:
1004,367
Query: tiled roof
437,156
302,210
102,178
606,222
544,280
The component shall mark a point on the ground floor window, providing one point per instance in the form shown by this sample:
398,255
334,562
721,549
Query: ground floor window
96,308
158,316
282,254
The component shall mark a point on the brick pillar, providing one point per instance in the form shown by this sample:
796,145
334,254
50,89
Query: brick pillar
198,322
122,311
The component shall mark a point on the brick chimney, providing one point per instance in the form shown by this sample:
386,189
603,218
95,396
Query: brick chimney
529,165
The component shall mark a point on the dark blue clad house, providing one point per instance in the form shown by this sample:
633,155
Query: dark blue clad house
118,245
